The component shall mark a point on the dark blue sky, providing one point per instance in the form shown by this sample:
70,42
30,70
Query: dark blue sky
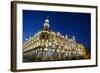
72,24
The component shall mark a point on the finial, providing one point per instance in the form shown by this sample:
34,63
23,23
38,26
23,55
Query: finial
66,36
73,38
47,20
47,17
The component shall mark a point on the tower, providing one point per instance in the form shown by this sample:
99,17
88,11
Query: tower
46,24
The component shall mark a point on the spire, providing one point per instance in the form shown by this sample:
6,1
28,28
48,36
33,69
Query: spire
46,23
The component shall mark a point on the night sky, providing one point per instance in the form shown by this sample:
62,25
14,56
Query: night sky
70,23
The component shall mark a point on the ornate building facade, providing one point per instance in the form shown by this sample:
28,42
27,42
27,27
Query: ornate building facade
47,45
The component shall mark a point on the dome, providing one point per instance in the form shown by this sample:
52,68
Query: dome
47,21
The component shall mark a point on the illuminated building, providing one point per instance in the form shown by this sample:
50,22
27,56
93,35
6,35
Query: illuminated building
47,45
